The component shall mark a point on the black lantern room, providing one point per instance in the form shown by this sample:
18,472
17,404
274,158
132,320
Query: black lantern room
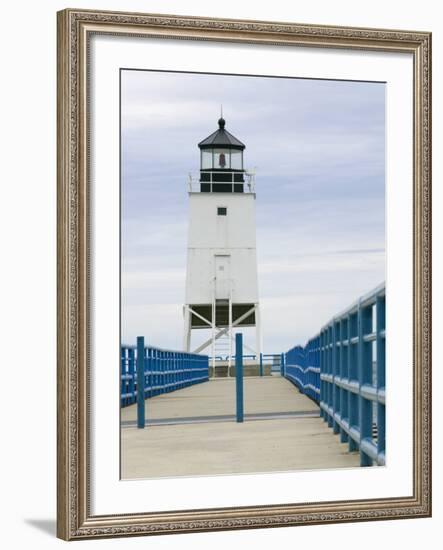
221,162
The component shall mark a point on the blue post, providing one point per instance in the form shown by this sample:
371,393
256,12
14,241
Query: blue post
335,372
344,438
353,375
364,377
282,364
261,364
140,382
239,375
132,374
322,370
381,377
123,381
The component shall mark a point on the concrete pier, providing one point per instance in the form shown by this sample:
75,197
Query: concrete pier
194,432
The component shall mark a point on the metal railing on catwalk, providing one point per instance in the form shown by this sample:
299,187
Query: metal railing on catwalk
164,371
343,370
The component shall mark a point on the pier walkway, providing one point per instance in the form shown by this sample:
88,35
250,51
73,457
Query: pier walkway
192,431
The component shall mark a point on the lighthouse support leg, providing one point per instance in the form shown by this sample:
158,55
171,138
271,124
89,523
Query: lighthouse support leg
213,336
230,335
187,329
259,337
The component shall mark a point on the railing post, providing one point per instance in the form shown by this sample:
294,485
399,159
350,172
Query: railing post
381,376
352,358
364,376
123,379
330,373
131,368
317,364
147,363
321,364
261,364
342,373
140,382
148,370
335,388
239,375
282,364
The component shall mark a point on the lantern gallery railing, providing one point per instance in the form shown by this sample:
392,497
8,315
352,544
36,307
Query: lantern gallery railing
216,180
164,371
343,369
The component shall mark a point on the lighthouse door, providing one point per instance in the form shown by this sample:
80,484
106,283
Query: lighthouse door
222,277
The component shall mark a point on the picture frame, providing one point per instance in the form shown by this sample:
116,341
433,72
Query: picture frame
75,518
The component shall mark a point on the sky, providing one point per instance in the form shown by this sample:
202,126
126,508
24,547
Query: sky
318,148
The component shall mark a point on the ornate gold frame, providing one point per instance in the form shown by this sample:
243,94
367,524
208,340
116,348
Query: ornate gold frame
74,518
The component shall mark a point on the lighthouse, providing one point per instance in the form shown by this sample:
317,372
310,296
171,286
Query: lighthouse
221,275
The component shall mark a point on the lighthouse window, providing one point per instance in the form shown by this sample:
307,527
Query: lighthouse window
206,160
236,160
222,158
222,211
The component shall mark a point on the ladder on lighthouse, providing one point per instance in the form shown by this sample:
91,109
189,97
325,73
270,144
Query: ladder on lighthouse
222,344
223,350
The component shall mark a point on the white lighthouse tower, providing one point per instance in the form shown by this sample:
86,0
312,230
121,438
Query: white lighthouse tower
221,277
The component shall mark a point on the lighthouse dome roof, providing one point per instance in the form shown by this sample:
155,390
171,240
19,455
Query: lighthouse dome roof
221,138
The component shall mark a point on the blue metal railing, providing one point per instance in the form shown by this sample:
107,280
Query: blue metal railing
164,371
302,368
343,369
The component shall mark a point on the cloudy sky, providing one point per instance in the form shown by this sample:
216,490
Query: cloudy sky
318,148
